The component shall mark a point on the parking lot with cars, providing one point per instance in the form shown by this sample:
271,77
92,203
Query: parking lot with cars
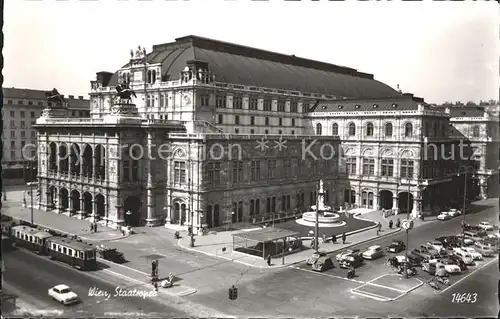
438,251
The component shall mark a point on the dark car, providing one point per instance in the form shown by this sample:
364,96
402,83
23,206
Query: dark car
396,246
422,253
416,255
448,241
353,260
458,261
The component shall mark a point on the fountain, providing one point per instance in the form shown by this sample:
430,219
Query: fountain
326,215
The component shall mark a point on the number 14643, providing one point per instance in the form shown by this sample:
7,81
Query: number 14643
465,297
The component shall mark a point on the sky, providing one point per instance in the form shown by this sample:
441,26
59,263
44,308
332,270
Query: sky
441,51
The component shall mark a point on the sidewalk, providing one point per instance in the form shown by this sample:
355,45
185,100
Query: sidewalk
58,222
220,244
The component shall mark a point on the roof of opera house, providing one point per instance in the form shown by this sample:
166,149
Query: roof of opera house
404,102
464,111
241,65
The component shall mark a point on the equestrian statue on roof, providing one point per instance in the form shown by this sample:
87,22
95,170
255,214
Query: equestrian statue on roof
56,97
124,92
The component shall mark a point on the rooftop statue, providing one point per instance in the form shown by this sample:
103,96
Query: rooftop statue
124,92
56,97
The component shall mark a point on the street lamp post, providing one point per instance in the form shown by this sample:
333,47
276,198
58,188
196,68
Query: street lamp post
192,230
466,168
316,228
407,230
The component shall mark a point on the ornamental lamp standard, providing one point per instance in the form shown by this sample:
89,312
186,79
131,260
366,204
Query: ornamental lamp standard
465,171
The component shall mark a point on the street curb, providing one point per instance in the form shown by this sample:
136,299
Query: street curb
187,292
179,243
68,233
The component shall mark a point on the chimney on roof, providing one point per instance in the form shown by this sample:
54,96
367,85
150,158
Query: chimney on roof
104,77
71,97
80,97
408,94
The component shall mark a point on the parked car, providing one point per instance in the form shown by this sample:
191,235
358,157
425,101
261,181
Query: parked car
435,245
484,249
443,216
454,212
396,246
448,241
475,255
485,226
451,266
467,241
373,252
352,260
323,263
418,254
63,294
429,251
411,260
348,253
465,256
459,262
432,266
315,256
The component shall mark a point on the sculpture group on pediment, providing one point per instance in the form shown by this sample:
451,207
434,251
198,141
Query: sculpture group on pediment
55,97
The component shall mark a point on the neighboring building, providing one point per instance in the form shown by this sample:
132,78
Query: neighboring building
21,108
384,158
198,95
480,126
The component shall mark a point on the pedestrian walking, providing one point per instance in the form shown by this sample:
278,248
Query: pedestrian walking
343,238
95,227
123,231
269,260
390,224
91,227
398,223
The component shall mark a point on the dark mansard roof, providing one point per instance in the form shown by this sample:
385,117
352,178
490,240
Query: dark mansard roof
237,64
405,102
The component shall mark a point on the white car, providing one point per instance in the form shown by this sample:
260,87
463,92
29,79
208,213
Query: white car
485,226
444,216
465,256
454,212
373,252
467,241
450,266
63,294
475,255
435,245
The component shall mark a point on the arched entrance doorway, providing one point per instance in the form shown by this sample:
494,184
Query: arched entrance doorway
51,197
63,199
405,202
176,214
210,216
349,196
183,214
216,215
87,204
99,201
75,201
132,212
385,201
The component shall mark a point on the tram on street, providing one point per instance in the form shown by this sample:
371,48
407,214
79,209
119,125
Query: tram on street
75,253
26,236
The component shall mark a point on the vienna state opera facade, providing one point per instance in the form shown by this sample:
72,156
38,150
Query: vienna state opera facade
222,133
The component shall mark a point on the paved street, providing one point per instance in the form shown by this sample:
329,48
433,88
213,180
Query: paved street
304,293
31,276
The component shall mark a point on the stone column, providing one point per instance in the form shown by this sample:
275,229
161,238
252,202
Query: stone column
375,201
70,204
70,162
168,205
93,204
395,208
93,166
417,207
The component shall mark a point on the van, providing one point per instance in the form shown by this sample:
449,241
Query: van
483,249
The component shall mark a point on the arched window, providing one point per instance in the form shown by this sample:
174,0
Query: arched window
408,130
319,129
475,131
388,129
352,129
369,129
335,129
